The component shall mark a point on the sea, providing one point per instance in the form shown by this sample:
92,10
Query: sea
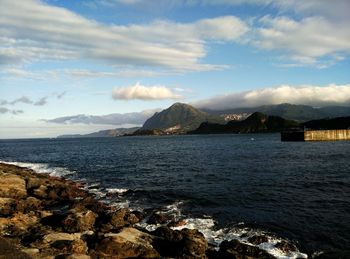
228,186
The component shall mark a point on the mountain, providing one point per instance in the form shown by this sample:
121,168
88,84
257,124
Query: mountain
179,117
103,133
257,122
288,111
335,123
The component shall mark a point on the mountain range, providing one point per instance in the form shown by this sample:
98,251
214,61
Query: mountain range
288,111
181,118
257,122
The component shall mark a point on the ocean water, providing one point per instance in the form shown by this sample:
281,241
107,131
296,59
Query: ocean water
224,185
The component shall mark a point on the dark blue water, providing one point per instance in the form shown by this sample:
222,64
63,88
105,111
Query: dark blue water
298,190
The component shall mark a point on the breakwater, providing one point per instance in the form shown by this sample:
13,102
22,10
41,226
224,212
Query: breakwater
316,135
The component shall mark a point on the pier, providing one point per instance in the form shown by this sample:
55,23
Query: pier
316,135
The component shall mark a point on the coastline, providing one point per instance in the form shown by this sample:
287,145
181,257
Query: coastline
44,216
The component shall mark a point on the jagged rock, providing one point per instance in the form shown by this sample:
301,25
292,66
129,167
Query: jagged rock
7,206
31,251
12,186
258,239
130,242
79,221
18,224
178,223
286,247
29,204
236,249
131,218
117,219
158,218
9,251
41,192
78,256
184,243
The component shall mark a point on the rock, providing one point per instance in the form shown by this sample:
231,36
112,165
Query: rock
31,251
7,206
59,236
9,251
41,192
258,239
178,223
174,243
236,249
286,247
12,186
79,247
34,182
131,218
130,242
18,224
29,204
78,256
194,243
158,218
117,219
79,221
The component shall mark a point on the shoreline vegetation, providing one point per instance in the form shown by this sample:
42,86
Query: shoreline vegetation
42,216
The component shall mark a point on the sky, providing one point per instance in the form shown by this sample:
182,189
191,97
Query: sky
81,66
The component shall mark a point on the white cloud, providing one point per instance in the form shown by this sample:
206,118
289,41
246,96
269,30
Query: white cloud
307,94
133,118
142,92
305,41
33,30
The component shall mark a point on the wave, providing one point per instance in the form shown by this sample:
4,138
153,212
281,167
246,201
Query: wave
206,224
43,168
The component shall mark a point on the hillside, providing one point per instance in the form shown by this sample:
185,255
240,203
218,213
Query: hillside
179,117
335,123
102,133
257,122
290,111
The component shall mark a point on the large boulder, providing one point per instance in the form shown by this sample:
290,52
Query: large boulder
236,249
79,221
187,243
7,206
129,243
12,186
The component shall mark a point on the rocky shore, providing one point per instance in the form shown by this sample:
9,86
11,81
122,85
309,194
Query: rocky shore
48,217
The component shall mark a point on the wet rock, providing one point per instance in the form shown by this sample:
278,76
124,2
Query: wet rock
236,249
130,242
7,206
131,218
158,218
79,221
258,239
178,223
185,243
12,186
194,243
286,247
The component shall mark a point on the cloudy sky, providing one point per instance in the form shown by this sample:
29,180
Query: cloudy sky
80,66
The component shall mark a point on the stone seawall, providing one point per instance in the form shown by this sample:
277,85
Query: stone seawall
326,135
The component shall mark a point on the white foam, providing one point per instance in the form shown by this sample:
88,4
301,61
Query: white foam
43,168
117,190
